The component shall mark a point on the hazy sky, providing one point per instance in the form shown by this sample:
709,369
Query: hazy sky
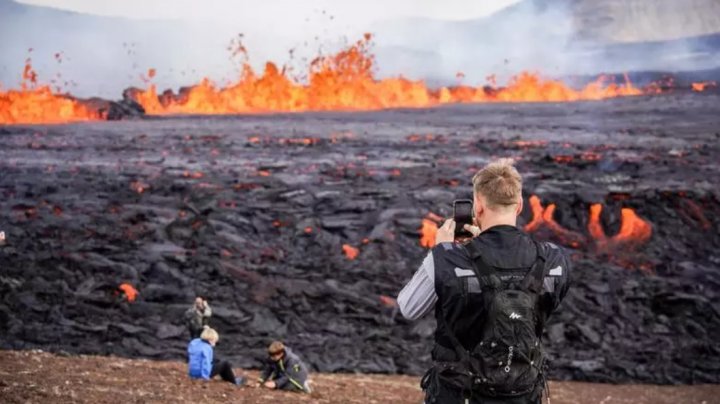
353,11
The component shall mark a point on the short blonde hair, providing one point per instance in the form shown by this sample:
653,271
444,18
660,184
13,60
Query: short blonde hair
209,334
500,183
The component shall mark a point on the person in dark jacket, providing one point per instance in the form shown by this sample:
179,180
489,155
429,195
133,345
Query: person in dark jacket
197,317
202,363
450,282
284,370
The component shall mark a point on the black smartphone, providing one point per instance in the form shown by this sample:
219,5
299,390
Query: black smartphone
463,214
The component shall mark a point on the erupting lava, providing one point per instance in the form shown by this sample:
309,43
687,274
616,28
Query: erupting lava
345,81
35,103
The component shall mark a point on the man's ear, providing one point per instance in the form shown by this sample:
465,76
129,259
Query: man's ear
519,209
478,206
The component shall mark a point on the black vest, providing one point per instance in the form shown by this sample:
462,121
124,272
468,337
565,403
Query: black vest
505,248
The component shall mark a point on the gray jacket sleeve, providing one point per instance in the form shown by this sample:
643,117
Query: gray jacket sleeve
208,311
418,297
557,279
295,373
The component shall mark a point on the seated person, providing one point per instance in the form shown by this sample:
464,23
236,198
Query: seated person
284,370
203,365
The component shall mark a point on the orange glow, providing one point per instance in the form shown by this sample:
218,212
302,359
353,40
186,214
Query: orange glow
537,214
388,301
350,252
345,81
428,231
34,103
195,175
563,159
130,292
703,85
632,228
544,217
139,186
594,227
308,230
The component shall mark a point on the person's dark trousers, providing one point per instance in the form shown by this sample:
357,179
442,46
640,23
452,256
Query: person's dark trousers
224,369
195,333
447,395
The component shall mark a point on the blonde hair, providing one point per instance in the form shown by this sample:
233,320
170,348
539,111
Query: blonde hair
500,183
209,334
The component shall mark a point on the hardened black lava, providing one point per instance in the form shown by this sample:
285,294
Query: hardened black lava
252,212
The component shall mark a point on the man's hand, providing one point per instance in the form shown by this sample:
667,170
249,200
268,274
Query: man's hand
446,232
475,230
269,384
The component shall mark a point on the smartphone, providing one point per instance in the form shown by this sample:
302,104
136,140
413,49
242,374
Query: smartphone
463,214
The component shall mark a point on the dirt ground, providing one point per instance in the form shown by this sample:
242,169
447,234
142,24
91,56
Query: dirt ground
40,377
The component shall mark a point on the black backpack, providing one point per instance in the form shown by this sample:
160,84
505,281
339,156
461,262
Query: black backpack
509,359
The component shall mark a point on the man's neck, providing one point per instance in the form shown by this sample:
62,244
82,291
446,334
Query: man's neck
499,220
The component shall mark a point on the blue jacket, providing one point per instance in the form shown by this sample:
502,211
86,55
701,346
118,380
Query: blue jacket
200,358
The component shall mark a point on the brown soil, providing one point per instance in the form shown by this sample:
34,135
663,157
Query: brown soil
40,377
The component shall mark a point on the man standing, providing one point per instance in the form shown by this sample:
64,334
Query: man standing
197,317
284,370
492,296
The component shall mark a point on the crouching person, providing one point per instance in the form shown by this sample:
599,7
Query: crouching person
284,370
202,364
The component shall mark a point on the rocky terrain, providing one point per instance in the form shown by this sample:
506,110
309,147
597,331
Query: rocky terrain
304,227
38,377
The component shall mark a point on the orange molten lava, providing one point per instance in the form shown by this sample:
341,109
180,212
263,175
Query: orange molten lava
703,85
544,217
35,103
345,81
427,233
350,252
633,229
129,291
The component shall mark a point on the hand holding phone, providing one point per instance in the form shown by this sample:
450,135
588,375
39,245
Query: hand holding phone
462,214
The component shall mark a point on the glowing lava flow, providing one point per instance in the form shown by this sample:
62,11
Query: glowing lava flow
38,104
703,85
345,81
129,291
544,217
350,252
428,232
633,231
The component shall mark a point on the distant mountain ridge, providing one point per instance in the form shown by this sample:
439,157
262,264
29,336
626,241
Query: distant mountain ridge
626,21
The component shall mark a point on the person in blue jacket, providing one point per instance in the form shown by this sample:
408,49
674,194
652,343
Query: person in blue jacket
202,364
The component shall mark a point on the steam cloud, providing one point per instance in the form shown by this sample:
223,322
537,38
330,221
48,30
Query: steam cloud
100,56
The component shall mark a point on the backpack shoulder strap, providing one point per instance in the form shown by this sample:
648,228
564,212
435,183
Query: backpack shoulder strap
486,274
533,281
